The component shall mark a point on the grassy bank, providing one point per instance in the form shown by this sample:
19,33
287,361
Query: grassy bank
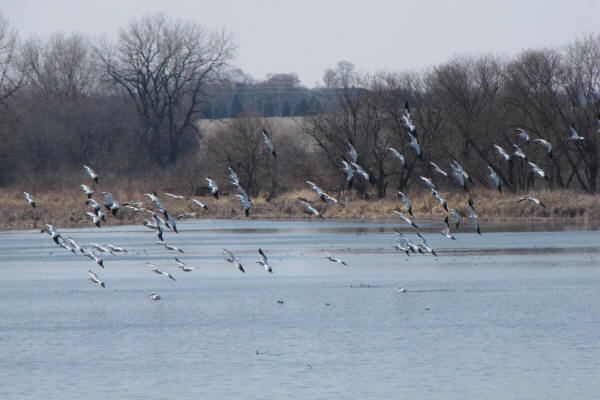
66,208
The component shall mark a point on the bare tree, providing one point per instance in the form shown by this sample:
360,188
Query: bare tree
164,65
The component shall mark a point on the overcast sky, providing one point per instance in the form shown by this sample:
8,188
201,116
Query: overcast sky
309,36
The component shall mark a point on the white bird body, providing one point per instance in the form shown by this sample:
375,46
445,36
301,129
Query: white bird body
502,152
405,218
29,199
175,196
546,144
532,199
537,170
399,156
214,188
574,135
446,230
415,145
360,170
94,278
268,142
158,271
352,152
88,192
234,260
349,173
519,153
95,218
154,296
265,261
170,247
524,135
182,266
454,214
309,208
494,177
91,173
333,258
439,198
437,169
199,204
404,198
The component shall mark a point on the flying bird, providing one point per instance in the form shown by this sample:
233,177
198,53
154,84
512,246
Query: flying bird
439,197
546,144
91,173
175,196
405,218
519,153
524,135
437,169
170,247
399,156
234,260
574,135
333,258
94,278
454,214
446,230
532,199
494,177
352,151
199,204
182,266
214,188
349,172
502,152
404,198
309,208
95,219
158,271
29,199
265,261
88,192
268,142
537,170
415,145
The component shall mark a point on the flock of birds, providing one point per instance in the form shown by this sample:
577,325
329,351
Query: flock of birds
160,220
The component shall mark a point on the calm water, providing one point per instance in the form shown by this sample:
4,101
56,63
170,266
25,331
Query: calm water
510,314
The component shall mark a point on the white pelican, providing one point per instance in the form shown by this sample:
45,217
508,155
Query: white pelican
309,208
519,153
246,203
428,182
494,177
95,218
156,270
349,172
51,230
399,156
333,258
404,198
574,135
474,219
116,249
454,214
265,261
154,296
360,171
424,246
175,196
95,206
199,204
75,245
502,152
415,145
154,198
405,218
233,178
532,199
457,168
182,266
546,144
234,260
439,198
29,199
214,188
352,151
408,124
524,135
268,142
322,195
538,170
88,192
406,242
187,215
437,169
94,278
170,247
92,256
401,289
446,230
91,173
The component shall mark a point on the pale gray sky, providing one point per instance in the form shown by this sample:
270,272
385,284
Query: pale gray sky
309,36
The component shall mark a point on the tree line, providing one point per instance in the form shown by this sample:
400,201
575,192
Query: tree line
131,108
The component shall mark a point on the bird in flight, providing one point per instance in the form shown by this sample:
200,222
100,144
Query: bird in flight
29,199
265,261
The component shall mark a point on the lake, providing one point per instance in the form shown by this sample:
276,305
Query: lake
511,314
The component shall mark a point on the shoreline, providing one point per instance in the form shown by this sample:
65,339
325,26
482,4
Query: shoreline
66,209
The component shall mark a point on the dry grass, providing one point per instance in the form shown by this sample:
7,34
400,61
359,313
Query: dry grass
66,207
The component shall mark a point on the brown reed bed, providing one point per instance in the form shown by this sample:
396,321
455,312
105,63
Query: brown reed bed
64,206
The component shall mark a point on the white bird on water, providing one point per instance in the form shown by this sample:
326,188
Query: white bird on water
154,296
